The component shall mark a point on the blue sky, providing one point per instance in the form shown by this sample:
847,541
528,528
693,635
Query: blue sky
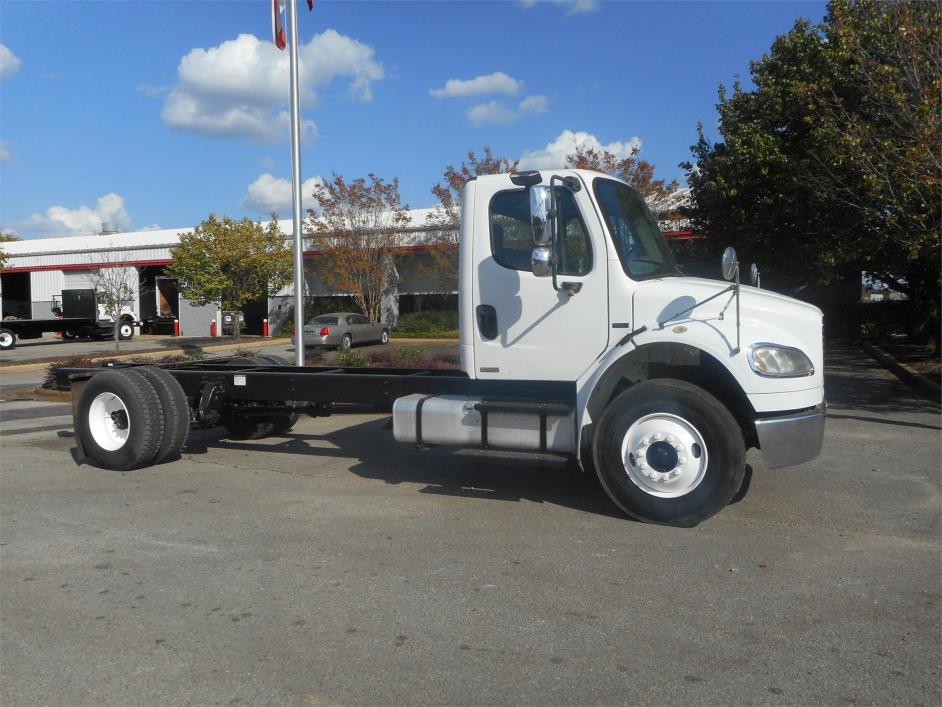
158,113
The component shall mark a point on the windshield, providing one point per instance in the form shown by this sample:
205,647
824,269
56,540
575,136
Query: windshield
323,320
641,247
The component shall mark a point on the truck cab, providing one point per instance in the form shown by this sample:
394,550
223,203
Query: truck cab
564,276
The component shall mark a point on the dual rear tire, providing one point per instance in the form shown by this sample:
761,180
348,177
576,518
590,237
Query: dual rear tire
132,417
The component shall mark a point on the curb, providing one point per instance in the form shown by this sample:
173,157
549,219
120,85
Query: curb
927,388
42,365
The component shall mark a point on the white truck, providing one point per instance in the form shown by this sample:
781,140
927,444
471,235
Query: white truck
78,313
579,337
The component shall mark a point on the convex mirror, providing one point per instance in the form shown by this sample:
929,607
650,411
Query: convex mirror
729,263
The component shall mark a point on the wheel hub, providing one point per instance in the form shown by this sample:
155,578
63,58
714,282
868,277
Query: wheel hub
664,455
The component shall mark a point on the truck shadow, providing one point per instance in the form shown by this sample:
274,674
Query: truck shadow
466,473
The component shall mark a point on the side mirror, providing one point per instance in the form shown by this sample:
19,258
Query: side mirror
729,263
542,219
542,261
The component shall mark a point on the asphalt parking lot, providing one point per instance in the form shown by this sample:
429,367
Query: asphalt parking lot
333,565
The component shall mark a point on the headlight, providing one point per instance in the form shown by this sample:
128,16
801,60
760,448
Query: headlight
776,361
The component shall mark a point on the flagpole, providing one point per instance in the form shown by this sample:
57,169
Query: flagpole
296,187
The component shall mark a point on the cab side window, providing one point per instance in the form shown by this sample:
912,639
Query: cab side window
512,239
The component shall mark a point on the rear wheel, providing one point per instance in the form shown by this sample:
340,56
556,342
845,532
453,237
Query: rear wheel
125,330
669,452
120,421
7,339
345,342
68,335
176,410
384,337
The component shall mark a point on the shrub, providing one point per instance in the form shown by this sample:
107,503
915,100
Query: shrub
409,357
351,359
430,323
313,357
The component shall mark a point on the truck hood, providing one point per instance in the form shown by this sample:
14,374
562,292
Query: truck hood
765,317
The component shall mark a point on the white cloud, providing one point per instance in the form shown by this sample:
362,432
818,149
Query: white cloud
6,156
498,112
9,62
240,87
498,82
555,153
573,7
85,220
267,162
269,193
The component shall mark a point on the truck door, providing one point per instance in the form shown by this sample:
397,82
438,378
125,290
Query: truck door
524,329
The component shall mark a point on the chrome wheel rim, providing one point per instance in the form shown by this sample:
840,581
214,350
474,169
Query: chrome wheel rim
6,340
109,422
664,455
126,330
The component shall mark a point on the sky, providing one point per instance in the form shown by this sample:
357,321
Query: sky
155,114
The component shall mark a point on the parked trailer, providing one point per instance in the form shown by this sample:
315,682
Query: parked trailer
78,314
654,381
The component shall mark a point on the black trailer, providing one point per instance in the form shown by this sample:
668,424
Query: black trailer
258,397
76,315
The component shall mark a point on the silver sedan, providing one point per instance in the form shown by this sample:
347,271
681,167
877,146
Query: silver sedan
344,329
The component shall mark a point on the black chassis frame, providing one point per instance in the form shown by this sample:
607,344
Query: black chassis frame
221,385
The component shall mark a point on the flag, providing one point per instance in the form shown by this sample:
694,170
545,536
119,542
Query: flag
277,25
277,21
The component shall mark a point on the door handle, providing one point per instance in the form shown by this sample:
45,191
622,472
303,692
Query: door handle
487,321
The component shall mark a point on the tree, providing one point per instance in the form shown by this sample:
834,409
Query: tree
229,263
6,238
356,234
446,216
114,285
831,165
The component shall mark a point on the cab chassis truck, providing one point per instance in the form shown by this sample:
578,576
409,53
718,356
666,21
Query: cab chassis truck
77,314
579,336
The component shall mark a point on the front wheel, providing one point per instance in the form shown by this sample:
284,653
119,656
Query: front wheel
669,452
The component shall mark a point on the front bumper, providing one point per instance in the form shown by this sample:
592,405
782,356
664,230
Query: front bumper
792,439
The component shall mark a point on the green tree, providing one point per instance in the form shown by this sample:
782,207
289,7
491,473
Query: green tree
831,164
229,263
